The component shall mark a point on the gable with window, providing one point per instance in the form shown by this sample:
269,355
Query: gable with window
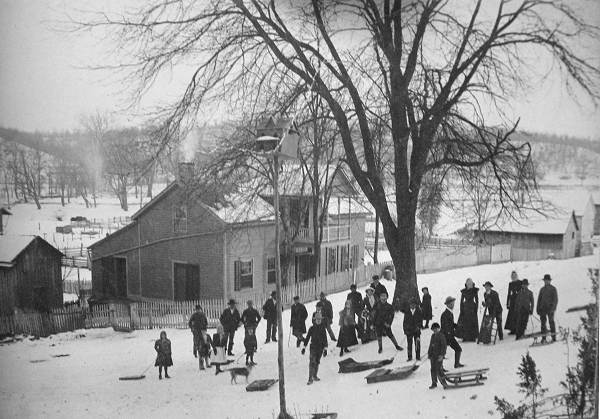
243,273
180,219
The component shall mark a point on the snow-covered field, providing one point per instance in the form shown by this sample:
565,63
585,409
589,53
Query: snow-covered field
35,384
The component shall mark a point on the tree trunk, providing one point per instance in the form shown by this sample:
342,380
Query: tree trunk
401,244
376,249
123,197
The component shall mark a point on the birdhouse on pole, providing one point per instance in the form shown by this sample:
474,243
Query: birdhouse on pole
278,135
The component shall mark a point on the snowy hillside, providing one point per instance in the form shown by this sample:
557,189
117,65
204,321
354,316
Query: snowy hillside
34,384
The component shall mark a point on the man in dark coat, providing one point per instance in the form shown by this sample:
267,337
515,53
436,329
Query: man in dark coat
494,308
413,320
250,317
524,308
514,286
383,316
298,318
327,313
426,307
546,306
197,323
270,315
356,298
448,326
230,319
378,287
435,353
318,347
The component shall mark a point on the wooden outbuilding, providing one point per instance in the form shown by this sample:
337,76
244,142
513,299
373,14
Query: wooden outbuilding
30,274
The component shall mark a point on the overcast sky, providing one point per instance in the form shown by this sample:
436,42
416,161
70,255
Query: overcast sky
44,84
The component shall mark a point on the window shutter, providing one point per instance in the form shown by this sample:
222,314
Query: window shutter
236,275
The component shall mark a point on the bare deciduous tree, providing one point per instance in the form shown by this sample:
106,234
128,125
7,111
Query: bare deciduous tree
436,65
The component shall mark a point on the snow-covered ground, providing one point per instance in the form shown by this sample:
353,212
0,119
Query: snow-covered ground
34,383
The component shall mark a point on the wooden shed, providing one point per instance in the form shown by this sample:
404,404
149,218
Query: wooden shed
30,274
536,239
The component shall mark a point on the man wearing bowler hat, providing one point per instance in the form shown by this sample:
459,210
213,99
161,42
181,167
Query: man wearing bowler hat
448,326
494,308
230,319
524,308
546,306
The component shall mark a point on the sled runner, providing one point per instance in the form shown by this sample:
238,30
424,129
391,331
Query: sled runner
384,374
350,365
537,338
260,385
466,378
331,415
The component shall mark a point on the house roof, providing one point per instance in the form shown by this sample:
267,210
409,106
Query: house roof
12,246
292,183
535,226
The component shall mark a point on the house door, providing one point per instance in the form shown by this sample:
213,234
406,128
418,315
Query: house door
303,267
121,277
186,282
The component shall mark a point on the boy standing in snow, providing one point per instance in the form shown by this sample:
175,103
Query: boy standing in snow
317,336
250,344
436,352
413,320
448,326
163,354
383,317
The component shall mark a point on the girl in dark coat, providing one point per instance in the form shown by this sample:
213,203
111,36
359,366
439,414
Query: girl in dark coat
347,335
163,354
514,287
469,304
426,307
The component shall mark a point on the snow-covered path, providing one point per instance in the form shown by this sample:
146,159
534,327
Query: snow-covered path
86,382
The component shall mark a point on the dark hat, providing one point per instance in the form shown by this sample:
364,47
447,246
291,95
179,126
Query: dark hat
296,297
249,302
449,300
198,307
547,277
322,294
273,294
353,286
435,326
232,302
424,288
375,277
488,283
525,282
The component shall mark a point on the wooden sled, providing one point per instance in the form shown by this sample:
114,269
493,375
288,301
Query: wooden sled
122,329
330,415
350,365
260,385
466,378
384,374
538,336
132,377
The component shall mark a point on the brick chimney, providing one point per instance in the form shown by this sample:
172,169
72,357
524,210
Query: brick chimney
185,172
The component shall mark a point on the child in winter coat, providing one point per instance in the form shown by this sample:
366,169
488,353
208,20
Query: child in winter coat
204,349
436,352
250,344
219,344
163,354
426,307
317,336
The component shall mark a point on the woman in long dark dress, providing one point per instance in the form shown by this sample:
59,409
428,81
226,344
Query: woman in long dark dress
368,333
514,286
347,336
469,304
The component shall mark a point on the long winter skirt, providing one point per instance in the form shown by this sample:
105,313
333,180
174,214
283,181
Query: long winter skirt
221,356
163,360
347,337
470,326
511,320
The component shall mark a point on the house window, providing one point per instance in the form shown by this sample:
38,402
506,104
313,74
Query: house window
180,217
271,274
331,260
243,274
344,258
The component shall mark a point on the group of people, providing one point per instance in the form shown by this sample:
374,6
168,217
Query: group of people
520,305
370,318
